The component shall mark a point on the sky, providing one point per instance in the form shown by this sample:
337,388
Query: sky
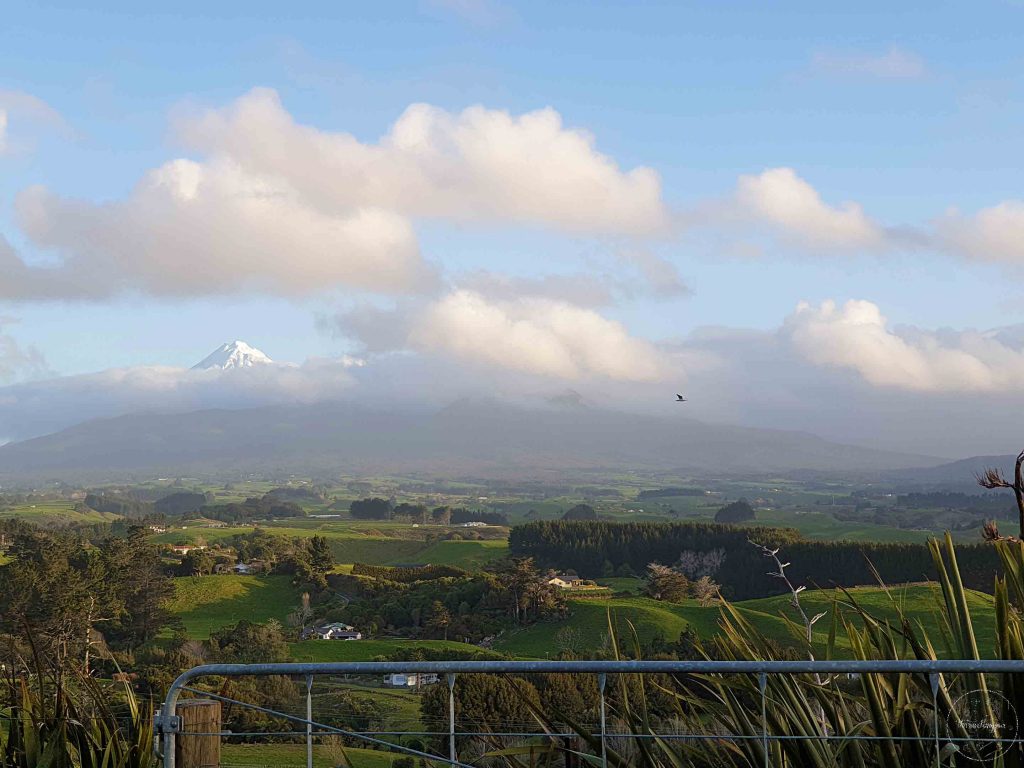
805,216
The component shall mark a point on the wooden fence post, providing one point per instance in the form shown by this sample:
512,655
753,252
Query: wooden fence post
198,743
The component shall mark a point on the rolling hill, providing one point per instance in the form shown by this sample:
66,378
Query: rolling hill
469,436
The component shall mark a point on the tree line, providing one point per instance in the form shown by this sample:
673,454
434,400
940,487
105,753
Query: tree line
598,548
377,508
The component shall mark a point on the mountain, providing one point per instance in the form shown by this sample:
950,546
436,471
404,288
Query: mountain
469,437
955,476
234,354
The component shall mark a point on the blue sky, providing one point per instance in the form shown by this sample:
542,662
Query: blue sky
906,110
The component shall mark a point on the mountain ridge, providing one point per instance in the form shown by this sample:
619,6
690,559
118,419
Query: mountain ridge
466,437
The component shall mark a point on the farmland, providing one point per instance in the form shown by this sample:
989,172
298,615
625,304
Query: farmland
650,619
207,603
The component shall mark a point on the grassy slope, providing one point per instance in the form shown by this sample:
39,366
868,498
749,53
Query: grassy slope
471,555
817,525
207,603
56,512
651,618
348,546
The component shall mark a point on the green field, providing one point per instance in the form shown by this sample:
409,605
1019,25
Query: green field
56,512
622,584
349,545
208,603
375,543
471,555
818,525
650,619
367,650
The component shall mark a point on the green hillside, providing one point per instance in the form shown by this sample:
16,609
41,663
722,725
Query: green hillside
471,555
207,603
651,618
56,512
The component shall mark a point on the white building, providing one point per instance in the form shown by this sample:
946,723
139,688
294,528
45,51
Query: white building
411,680
334,631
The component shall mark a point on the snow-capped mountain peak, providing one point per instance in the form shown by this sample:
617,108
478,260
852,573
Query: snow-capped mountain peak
234,354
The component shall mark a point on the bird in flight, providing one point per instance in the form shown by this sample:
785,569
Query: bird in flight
680,399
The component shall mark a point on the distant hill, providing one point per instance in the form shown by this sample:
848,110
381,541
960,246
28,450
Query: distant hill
467,437
953,476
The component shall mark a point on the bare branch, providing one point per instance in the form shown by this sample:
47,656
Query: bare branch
993,478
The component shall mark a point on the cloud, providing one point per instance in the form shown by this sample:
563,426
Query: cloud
38,407
17,361
992,234
193,229
786,203
584,289
279,208
478,165
662,279
895,64
856,336
18,107
538,336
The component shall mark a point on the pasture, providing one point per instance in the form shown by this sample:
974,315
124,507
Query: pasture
772,616
207,603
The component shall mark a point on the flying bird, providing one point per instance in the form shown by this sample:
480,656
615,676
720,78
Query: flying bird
680,399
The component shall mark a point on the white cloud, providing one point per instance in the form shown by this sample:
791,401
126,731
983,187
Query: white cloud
280,208
856,336
17,361
540,336
193,228
779,198
43,406
534,335
476,165
20,108
992,234
584,289
895,64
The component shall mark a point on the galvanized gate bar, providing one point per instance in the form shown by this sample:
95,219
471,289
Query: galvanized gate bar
166,722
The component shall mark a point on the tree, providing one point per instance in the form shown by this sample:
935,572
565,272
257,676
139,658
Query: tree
705,591
581,512
249,643
300,616
570,640
482,702
664,583
737,512
993,478
528,595
196,562
321,557
441,516
371,509
439,618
